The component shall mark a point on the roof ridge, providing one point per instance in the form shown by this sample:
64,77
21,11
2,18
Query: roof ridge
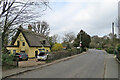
25,30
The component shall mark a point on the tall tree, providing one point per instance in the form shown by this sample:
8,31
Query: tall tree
68,37
53,39
85,39
16,12
41,27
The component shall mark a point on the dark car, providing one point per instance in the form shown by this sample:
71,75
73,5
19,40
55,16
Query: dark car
21,56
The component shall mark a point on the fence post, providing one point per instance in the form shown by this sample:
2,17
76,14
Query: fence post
17,61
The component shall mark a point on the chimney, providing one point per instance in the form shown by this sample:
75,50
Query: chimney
20,27
29,27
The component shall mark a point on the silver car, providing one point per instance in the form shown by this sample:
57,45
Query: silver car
42,56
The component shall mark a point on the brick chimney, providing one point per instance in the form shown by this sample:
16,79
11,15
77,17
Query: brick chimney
29,27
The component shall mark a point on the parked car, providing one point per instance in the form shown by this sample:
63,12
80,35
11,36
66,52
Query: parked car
42,56
21,56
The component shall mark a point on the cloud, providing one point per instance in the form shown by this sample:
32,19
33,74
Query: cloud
93,16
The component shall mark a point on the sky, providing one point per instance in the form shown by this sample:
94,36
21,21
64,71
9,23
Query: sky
95,17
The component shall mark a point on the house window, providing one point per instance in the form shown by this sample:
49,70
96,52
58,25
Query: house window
14,51
44,42
23,43
9,51
22,51
18,43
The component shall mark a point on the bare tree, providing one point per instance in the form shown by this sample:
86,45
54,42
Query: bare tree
55,38
41,27
68,37
5,5
14,13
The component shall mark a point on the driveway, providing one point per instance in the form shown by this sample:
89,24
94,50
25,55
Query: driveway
30,63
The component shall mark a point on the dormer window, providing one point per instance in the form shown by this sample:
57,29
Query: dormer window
44,42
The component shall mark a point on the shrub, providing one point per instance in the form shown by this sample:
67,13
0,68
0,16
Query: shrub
118,51
57,47
110,50
62,54
118,48
99,48
7,59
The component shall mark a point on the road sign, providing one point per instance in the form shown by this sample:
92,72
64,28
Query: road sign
80,44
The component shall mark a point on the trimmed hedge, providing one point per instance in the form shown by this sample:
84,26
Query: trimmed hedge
118,52
99,48
62,54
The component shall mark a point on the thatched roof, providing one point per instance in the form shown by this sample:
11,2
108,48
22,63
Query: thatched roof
33,39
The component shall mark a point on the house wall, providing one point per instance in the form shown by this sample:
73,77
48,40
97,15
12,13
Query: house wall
28,50
13,48
33,49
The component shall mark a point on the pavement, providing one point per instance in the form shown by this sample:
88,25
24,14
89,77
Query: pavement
24,69
94,64
111,66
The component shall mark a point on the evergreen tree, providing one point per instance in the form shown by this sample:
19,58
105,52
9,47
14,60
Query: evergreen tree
85,39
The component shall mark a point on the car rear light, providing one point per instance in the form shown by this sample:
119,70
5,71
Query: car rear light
27,54
19,55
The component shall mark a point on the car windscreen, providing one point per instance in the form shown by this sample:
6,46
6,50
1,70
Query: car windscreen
20,54
17,54
42,54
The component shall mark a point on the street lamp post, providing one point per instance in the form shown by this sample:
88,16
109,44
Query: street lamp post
80,42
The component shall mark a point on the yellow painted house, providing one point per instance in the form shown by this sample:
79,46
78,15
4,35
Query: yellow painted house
29,42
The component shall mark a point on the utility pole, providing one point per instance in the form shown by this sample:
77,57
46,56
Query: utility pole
80,42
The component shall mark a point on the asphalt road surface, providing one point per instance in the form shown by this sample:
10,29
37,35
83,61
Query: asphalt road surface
93,64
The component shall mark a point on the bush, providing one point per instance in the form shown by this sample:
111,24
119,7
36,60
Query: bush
62,54
118,52
118,48
7,59
110,50
99,48
57,47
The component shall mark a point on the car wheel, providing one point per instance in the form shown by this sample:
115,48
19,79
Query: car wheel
26,59
38,59
20,59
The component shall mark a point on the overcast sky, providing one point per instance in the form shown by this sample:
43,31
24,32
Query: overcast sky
93,16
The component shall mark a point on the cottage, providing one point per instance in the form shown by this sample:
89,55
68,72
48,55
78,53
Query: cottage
29,42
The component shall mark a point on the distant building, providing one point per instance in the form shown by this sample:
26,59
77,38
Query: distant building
29,42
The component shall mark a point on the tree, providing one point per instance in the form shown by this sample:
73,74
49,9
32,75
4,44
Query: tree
5,6
41,27
55,38
96,42
85,39
57,47
14,13
50,39
68,37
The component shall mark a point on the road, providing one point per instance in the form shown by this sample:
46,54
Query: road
93,64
